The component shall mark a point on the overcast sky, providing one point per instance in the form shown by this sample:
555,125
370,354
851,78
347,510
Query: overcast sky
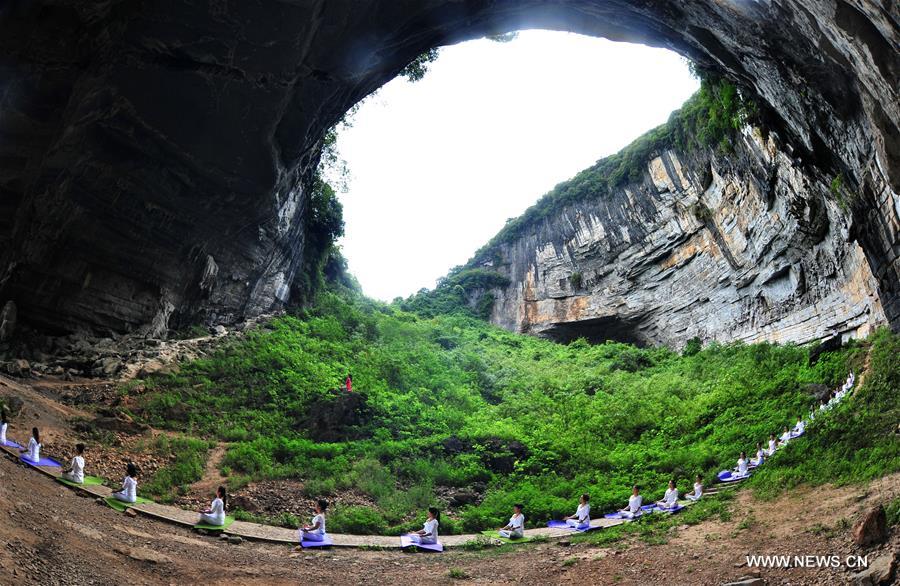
437,166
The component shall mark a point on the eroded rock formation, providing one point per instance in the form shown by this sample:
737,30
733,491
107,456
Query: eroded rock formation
155,155
744,246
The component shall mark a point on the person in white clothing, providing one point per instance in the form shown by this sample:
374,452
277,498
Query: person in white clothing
582,514
429,532
128,494
800,426
773,444
515,529
634,503
786,436
75,473
33,453
315,531
742,468
3,427
698,489
760,456
670,499
215,514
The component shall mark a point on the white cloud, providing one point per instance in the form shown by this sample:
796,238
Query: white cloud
439,165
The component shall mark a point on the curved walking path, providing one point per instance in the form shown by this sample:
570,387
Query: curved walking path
268,533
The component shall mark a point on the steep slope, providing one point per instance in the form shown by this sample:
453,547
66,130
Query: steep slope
739,241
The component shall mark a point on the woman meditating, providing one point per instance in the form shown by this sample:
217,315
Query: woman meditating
515,529
128,494
429,532
3,427
773,444
698,489
582,514
33,453
315,531
75,473
760,456
634,503
215,514
742,468
670,500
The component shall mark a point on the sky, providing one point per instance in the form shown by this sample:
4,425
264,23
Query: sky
439,165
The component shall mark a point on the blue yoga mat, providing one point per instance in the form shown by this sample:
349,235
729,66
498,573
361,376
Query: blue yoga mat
407,542
326,541
729,476
11,444
619,515
563,525
675,509
42,462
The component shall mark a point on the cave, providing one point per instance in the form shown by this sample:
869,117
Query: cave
155,157
598,330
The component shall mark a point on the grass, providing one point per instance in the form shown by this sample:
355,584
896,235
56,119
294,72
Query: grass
188,457
449,403
457,574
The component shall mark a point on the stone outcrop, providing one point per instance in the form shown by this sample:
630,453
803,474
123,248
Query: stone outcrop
744,246
872,528
155,156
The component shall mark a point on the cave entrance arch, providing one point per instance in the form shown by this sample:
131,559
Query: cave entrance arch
162,161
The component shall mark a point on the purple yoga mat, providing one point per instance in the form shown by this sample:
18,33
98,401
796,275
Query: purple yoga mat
11,444
729,476
658,509
42,462
406,541
618,515
564,525
326,541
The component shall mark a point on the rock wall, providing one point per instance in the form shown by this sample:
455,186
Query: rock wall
155,154
746,246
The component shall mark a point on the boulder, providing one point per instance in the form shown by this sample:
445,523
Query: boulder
18,367
13,405
879,571
463,497
872,528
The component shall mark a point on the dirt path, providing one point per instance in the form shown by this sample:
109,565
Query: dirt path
212,476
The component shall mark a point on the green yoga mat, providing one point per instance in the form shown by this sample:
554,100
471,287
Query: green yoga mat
496,535
121,506
228,521
88,481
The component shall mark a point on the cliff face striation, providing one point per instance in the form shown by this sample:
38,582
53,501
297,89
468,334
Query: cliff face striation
156,157
744,246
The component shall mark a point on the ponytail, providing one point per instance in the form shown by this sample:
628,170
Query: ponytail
223,494
36,434
435,513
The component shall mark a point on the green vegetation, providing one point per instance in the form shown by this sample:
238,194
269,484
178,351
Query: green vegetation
187,457
858,441
463,290
449,404
708,119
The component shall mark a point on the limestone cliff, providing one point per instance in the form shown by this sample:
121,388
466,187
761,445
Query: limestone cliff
745,246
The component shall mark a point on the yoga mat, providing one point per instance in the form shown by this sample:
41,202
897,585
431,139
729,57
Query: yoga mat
657,509
88,481
121,506
49,462
228,521
11,444
326,542
407,542
496,535
794,434
619,515
563,525
730,476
